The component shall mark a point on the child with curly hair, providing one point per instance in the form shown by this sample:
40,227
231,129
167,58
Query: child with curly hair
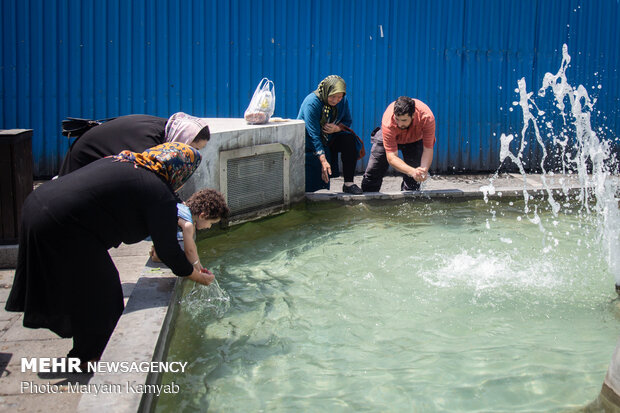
203,209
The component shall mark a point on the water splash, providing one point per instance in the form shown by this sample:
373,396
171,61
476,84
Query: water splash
494,272
206,301
578,148
424,184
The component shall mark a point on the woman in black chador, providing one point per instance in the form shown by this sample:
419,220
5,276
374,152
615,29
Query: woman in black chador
65,280
135,133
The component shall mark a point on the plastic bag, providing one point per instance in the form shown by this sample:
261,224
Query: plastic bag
263,103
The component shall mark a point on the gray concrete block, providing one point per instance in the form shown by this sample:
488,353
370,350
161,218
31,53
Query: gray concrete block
612,378
229,134
8,256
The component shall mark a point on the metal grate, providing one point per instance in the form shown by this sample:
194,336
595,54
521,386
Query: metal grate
255,182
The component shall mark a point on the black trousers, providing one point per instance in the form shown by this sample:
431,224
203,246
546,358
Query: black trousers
343,143
378,164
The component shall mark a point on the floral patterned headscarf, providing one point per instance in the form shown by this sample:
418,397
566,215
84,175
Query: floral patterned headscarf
173,161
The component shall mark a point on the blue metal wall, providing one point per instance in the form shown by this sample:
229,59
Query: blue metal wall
97,59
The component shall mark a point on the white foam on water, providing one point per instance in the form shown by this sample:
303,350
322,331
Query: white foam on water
491,271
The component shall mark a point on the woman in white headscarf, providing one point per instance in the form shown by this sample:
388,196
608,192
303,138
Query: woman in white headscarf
187,129
135,133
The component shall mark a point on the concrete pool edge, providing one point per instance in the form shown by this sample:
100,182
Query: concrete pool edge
145,324
321,196
140,336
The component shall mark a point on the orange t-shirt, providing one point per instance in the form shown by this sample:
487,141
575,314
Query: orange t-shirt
422,127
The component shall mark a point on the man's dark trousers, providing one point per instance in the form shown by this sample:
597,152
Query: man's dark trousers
378,164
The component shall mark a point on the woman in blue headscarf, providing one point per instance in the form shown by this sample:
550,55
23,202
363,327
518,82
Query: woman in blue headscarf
65,280
328,119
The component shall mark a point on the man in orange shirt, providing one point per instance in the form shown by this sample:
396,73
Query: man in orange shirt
408,125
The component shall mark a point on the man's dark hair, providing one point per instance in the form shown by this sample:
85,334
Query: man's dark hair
404,106
209,202
204,134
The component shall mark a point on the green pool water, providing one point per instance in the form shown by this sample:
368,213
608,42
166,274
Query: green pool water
415,306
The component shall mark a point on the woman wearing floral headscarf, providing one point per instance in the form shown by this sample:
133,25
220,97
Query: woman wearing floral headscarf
135,133
328,118
65,280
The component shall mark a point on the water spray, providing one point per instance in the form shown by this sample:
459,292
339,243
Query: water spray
591,154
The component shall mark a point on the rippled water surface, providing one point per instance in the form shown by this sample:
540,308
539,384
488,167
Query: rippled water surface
417,306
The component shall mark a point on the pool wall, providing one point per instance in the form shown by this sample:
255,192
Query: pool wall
610,392
140,335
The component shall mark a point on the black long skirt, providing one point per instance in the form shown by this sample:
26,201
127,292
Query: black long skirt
65,280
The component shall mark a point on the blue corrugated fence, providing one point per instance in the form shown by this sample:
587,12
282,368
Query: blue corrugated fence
99,59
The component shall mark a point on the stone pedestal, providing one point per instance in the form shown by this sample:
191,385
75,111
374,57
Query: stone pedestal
233,138
16,183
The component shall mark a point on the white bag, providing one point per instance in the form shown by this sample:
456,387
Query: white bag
263,103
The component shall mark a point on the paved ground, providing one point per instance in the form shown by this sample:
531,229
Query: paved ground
17,342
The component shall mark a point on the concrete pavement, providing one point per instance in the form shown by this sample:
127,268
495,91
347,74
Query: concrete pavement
17,342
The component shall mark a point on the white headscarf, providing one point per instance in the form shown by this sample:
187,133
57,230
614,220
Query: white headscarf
183,128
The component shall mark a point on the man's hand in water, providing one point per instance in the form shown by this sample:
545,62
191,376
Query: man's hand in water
419,174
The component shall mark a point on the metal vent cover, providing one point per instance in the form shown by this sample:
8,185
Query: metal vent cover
255,179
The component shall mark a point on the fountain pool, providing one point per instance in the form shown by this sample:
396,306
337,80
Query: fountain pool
419,305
